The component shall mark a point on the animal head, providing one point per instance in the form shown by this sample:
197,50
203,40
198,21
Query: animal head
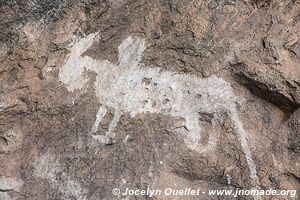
72,73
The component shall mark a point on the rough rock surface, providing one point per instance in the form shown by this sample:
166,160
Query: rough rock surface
96,95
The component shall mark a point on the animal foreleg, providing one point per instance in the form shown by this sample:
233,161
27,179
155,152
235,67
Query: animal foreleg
113,124
99,117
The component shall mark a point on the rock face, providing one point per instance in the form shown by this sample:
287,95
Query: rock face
97,95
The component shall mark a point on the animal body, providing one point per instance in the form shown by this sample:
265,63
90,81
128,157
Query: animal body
128,86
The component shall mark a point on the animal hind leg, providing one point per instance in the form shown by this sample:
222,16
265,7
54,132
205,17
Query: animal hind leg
193,136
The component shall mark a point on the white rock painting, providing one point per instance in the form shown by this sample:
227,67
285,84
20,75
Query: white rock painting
128,86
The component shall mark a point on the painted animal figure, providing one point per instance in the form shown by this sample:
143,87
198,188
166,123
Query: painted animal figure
128,86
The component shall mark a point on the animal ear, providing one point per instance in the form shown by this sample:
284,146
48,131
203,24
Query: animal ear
81,45
130,51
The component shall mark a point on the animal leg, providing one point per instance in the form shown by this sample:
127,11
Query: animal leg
113,124
192,133
99,117
241,135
